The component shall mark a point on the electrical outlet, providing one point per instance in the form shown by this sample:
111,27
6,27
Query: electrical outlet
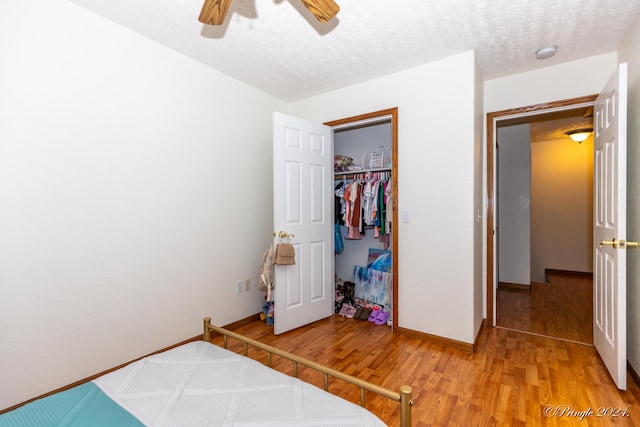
247,285
239,286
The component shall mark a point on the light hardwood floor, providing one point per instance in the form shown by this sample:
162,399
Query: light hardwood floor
561,308
510,380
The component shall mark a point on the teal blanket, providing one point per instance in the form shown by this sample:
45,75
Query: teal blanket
81,406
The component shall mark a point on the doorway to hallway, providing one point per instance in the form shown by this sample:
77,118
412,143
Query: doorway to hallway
494,120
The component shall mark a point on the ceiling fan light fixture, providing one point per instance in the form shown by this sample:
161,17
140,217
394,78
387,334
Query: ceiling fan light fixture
546,52
323,10
214,11
579,135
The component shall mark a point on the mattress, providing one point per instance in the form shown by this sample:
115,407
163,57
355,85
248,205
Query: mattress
81,406
201,384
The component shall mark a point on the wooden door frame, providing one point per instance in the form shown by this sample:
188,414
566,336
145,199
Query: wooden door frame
517,116
371,117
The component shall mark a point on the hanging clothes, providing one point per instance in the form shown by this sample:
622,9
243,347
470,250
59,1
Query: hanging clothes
339,203
339,244
354,218
266,271
361,202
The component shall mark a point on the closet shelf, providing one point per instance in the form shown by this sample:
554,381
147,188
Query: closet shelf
362,171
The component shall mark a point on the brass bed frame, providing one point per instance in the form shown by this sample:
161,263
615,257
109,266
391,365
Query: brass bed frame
403,396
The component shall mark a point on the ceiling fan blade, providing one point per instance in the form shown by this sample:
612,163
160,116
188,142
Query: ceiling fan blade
323,10
214,11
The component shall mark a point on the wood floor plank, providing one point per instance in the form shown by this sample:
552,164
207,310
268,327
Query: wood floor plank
510,380
561,308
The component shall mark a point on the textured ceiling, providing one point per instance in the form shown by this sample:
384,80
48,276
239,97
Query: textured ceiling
552,126
278,46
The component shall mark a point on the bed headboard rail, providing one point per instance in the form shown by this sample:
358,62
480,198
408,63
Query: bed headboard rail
403,396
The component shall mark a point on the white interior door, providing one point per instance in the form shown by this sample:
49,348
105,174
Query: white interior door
609,234
303,208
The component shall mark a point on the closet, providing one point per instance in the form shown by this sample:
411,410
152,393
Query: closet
366,236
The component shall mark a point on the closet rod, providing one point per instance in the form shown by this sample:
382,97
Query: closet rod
361,176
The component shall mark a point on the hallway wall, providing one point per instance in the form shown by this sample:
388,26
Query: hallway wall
561,206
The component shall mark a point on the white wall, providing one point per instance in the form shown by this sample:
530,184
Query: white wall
569,80
561,206
514,204
479,245
436,119
117,159
630,53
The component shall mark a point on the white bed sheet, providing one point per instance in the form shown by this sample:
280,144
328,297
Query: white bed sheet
201,384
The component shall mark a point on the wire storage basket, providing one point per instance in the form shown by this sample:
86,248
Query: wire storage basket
380,159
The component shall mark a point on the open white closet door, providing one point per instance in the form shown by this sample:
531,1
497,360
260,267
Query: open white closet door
609,232
303,216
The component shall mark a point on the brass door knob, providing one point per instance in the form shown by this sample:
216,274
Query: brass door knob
621,243
613,243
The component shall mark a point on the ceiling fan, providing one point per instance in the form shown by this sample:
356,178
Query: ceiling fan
214,11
